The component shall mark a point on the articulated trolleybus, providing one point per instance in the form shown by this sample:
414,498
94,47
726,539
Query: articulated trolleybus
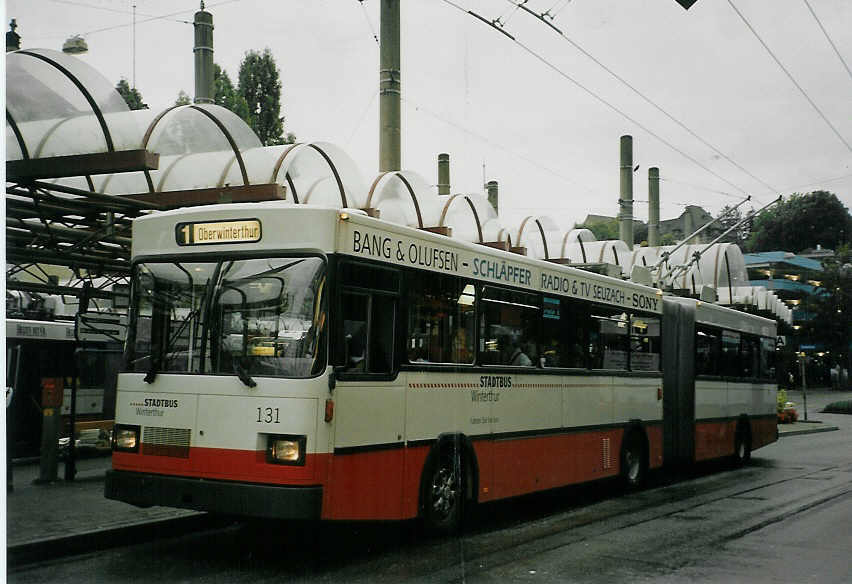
295,362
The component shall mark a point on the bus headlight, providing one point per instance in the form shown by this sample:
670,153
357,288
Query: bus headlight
126,438
286,450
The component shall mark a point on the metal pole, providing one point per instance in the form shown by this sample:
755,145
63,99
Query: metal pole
625,201
390,155
802,369
203,49
653,206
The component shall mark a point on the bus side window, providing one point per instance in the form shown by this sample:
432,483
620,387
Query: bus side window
382,316
730,362
368,332
355,308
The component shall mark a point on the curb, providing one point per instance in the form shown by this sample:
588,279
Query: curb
815,430
95,540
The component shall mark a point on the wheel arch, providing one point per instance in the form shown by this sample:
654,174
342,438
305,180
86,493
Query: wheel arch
469,460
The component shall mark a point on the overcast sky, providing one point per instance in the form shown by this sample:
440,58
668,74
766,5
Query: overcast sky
719,116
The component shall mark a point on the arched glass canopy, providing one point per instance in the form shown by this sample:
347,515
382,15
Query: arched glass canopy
58,105
405,198
466,214
540,236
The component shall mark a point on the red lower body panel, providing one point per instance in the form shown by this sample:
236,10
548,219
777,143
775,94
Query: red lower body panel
716,439
385,484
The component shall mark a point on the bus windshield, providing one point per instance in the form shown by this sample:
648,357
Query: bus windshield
260,316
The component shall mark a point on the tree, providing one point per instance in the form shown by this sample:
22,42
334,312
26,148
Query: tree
603,230
832,308
131,96
183,98
727,218
226,95
801,222
260,86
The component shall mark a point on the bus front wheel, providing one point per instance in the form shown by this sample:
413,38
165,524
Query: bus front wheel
443,492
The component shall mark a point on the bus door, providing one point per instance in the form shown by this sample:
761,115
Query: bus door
678,382
369,413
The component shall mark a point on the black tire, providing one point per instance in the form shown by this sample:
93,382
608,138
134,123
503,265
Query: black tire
634,460
742,444
443,492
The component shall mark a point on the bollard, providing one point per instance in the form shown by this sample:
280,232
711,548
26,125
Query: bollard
51,402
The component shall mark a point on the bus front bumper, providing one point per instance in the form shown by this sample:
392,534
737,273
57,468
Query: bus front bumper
228,498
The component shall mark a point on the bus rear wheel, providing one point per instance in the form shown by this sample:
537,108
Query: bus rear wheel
634,460
742,444
443,493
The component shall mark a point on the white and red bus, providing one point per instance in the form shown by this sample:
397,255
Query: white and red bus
296,362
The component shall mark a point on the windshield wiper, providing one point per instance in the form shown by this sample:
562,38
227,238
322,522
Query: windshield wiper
151,375
243,374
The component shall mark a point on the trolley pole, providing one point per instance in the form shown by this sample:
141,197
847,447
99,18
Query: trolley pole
625,201
653,206
390,155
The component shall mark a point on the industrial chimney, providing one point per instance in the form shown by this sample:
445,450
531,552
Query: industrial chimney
390,155
653,206
625,202
491,189
203,24
443,174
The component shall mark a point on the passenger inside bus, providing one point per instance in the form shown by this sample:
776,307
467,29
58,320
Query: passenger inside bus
519,358
355,332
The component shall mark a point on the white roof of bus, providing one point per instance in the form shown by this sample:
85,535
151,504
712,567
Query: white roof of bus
713,314
307,228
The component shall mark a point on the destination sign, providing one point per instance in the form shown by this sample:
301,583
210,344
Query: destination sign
207,233
387,246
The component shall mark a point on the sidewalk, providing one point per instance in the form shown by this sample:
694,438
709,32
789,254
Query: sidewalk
817,399
74,517
64,517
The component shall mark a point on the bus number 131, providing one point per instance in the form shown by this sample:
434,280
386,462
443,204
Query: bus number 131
267,415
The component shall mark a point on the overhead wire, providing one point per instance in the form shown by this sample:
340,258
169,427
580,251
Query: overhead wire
552,15
115,10
820,182
646,99
497,145
370,24
361,118
160,17
790,76
702,188
597,97
828,38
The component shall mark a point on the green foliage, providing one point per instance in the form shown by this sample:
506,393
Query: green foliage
833,308
782,399
603,230
668,239
183,98
728,217
131,96
226,95
839,407
800,222
260,86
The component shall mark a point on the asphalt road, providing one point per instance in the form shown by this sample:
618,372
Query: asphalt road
787,517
